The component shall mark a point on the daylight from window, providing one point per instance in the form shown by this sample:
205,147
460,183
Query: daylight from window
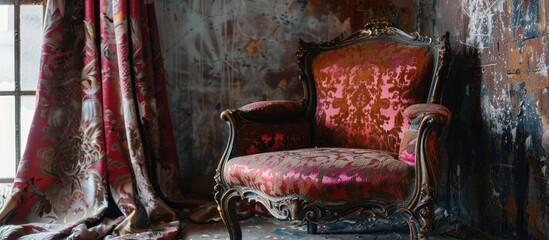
31,38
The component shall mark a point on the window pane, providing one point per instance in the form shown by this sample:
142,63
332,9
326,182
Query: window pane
31,42
28,104
6,48
7,138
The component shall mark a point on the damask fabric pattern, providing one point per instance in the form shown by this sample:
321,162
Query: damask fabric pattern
100,159
257,137
407,151
360,105
270,126
331,174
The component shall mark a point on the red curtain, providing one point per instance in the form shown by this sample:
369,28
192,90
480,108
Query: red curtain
100,160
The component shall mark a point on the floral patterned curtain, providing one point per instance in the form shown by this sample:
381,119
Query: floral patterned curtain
100,160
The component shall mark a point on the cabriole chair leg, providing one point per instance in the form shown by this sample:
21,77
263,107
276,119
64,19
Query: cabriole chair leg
227,210
420,227
415,232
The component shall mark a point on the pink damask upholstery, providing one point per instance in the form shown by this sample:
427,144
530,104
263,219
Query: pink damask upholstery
271,136
327,174
363,89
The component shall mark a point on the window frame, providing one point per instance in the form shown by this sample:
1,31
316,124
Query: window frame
17,93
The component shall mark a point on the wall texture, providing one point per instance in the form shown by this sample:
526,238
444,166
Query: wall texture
499,140
223,54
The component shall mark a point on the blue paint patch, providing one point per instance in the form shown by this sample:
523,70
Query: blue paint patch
525,19
531,121
303,4
484,92
288,233
532,21
521,85
529,158
516,12
520,45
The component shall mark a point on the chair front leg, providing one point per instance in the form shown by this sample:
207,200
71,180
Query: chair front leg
421,216
227,211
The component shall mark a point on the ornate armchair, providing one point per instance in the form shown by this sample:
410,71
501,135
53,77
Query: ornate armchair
364,140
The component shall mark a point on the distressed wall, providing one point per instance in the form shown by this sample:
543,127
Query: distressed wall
499,139
223,54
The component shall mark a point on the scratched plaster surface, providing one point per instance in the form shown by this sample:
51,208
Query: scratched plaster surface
499,140
222,54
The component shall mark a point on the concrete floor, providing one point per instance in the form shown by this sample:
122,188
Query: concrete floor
269,228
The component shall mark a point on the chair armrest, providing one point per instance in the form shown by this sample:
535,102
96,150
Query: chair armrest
420,145
415,113
420,148
438,117
266,126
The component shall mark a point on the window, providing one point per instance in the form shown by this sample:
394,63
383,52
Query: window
21,27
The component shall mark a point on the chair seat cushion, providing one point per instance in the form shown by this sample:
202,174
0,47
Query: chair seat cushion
328,174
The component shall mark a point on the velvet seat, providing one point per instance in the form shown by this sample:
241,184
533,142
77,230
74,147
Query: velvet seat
323,174
364,140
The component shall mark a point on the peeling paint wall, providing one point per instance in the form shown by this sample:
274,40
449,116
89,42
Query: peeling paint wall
499,93
222,54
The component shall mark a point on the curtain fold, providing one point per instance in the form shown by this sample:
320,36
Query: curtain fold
100,160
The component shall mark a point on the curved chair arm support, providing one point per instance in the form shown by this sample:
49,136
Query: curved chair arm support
431,122
428,120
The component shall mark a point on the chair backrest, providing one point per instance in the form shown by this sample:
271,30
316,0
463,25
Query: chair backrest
357,87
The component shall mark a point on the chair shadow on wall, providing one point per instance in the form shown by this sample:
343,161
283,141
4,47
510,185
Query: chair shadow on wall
475,171
462,97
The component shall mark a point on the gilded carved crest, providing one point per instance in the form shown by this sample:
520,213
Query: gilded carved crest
378,27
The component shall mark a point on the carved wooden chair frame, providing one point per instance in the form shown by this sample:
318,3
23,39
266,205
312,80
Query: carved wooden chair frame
417,209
